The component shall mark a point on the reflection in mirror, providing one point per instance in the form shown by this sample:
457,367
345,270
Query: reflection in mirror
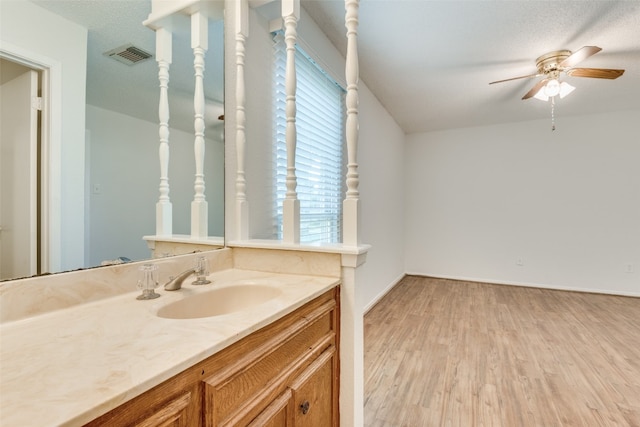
93,199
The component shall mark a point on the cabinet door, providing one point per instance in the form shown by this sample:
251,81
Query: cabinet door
314,393
173,414
278,414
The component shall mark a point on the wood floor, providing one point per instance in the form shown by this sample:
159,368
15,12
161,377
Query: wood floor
448,353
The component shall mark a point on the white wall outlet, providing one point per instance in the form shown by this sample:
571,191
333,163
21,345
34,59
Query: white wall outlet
629,268
96,189
519,262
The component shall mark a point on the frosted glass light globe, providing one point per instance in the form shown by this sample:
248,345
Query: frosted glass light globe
552,88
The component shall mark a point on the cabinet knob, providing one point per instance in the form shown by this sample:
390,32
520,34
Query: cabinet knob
304,406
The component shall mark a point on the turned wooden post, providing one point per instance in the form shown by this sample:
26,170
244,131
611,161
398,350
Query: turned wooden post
291,204
242,205
199,44
351,204
164,209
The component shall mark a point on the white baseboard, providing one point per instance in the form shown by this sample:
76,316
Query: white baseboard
527,284
384,292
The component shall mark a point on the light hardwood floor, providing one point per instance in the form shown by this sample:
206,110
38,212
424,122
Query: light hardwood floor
448,353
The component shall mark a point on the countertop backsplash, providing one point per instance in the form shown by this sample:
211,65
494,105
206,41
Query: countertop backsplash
37,295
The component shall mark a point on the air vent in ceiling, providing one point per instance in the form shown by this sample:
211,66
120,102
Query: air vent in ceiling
128,54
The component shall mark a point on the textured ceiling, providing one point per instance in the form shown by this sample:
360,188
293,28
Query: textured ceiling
429,62
134,90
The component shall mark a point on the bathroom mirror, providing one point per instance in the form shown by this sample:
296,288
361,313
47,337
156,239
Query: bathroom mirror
104,217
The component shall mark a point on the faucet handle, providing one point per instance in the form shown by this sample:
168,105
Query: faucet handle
202,271
148,281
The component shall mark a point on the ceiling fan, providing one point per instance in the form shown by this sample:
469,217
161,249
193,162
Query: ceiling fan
553,64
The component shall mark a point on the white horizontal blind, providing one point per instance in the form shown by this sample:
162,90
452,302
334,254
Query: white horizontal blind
319,160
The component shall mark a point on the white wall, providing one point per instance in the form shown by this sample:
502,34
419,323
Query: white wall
34,30
564,203
124,165
381,166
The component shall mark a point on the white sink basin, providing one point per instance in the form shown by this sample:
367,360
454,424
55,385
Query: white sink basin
219,301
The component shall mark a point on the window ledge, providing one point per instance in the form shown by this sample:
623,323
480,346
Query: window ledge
336,248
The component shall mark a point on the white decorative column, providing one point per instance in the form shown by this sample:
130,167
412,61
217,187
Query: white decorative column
351,312
242,205
164,210
352,340
199,44
291,204
351,204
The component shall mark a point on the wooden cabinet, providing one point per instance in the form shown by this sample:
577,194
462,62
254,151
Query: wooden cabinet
171,414
279,413
313,393
284,375
308,401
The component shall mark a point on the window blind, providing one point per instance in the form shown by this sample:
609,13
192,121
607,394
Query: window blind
319,148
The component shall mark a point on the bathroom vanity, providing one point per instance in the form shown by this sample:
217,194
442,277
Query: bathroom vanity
285,374
117,360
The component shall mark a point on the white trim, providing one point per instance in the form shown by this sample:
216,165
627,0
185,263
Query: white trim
51,147
336,248
383,294
87,195
529,285
186,238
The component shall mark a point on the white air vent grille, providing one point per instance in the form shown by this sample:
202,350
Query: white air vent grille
128,54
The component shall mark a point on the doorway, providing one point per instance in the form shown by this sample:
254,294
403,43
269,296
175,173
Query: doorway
20,146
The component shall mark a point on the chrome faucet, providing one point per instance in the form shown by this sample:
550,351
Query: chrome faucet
201,270
175,283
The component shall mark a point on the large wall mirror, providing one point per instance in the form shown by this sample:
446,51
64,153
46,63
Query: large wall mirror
103,127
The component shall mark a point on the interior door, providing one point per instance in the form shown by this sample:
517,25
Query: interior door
18,176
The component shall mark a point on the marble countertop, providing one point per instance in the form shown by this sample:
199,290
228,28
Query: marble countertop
67,367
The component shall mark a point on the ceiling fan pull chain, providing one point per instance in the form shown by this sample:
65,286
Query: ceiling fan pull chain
553,113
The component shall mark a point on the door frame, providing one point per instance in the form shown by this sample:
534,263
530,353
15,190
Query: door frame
51,151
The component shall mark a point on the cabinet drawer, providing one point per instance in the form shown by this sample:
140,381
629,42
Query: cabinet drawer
152,410
237,394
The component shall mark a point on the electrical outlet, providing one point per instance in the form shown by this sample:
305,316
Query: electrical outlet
519,262
629,268
96,189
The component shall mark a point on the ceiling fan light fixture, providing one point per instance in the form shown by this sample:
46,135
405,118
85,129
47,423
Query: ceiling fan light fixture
565,89
541,95
552,88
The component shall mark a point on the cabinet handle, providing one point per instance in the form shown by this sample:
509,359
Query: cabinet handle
304,406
